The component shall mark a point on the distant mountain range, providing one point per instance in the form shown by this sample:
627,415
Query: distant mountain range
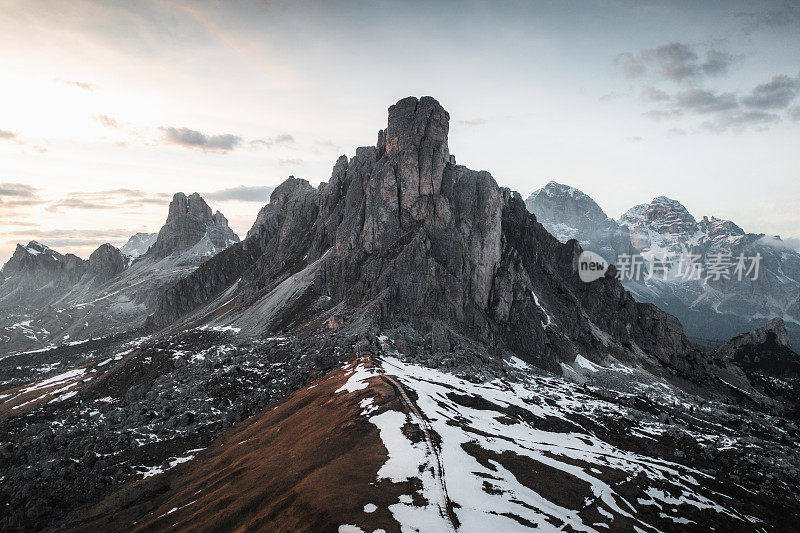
48,298
708,307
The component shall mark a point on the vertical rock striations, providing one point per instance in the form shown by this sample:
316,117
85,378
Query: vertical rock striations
402,235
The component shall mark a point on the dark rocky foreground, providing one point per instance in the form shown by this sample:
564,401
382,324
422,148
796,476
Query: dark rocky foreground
137,406
160,403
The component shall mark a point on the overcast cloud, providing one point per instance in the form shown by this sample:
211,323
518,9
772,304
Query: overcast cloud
241,193
195,139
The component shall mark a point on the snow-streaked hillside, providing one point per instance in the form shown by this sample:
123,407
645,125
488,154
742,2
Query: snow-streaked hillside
384,442
536,451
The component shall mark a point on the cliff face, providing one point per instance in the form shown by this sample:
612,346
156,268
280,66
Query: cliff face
400,235
105,263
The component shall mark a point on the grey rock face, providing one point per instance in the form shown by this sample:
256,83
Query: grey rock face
775,330
401,235
190,222
767,359
36,273
106,262
286,193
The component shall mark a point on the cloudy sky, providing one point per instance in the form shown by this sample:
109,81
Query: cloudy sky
108,108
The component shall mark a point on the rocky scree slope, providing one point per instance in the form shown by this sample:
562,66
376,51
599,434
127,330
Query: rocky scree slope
385,444
402,236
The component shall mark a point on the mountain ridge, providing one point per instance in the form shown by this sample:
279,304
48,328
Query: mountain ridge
402,347
718,309
63,298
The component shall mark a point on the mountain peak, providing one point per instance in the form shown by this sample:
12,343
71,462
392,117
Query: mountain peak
193,205
138,244
666,201
280,195
106,262
663,215
415,139
189,220
569,213
37,248
401,237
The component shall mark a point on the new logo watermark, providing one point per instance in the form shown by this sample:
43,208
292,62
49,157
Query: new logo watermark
591,266
668,266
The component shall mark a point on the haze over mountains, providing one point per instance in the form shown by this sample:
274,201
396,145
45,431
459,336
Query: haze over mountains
708,308
403,347
47,298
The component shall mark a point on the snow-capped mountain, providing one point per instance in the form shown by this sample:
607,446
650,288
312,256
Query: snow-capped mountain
709,307
402,348
568,213
138,244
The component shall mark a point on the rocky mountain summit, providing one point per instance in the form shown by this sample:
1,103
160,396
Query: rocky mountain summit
37,271
191,228
709,307
401,238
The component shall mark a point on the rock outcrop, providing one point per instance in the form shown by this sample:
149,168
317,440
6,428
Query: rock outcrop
767,358
399,235
190,223
105,263
773,332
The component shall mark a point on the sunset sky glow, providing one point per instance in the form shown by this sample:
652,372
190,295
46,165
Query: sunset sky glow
109,108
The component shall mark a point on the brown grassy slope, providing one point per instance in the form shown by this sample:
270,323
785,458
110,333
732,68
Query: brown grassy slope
308,463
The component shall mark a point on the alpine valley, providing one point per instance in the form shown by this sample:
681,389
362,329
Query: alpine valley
405,347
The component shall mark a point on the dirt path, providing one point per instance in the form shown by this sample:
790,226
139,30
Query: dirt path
438,472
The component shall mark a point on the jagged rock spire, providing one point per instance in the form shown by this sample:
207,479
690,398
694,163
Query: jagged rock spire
190,220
